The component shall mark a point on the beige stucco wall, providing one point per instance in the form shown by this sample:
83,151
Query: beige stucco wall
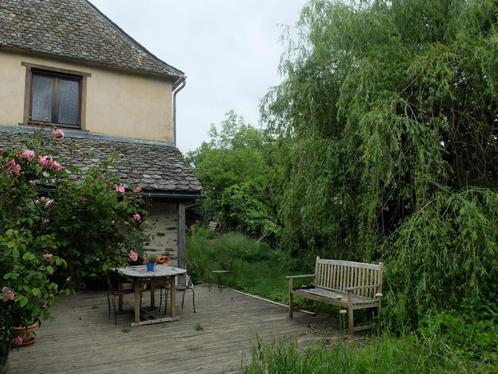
162,229
118,103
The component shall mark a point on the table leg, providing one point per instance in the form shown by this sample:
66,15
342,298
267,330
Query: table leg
136,284
152,294
173,298
120,298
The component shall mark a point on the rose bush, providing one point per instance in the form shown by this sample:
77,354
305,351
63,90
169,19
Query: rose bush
58,224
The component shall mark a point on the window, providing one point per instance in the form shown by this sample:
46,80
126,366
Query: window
55,99
54,96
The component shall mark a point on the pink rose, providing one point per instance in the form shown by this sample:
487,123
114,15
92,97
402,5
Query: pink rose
120,189
56,165
133,256
45,161
18,340
14,168
58,134
137,189
137,217
48,256
10,295
113,222
28,154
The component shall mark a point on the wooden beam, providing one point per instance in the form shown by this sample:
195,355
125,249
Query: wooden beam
181,250
274,302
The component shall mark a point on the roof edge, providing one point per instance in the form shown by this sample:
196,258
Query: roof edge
179,73
81,134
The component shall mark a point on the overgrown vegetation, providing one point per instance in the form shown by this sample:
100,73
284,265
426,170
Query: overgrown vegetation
59,228
410,354
383,144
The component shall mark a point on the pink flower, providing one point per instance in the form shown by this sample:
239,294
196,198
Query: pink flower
44,305
9,295
137,189
48,256
45,221
28,154
14,168
18,340
56,165
113,222
120,189
45,161
58,134
133,256
137,217
45,201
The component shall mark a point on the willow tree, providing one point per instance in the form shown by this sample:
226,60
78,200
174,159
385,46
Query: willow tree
389,115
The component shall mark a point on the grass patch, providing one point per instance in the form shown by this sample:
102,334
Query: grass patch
387,354
198,327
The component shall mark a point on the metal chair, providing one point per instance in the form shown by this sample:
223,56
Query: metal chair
115,290
189,285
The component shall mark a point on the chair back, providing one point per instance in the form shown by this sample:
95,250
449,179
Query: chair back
339,275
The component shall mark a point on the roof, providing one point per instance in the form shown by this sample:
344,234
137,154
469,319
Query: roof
75,29
154,166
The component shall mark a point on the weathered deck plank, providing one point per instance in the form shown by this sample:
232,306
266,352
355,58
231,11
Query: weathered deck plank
82,340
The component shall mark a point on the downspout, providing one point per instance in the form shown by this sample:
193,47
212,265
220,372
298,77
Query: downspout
177,87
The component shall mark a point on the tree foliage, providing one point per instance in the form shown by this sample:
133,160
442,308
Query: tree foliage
235,170
388,113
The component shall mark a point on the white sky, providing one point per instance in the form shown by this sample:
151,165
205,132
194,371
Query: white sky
229,49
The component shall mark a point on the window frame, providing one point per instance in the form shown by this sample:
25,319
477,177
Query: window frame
54,73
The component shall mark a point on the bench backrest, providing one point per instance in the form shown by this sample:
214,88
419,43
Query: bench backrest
338,275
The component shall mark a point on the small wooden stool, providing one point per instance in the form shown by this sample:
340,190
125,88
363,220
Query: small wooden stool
219,273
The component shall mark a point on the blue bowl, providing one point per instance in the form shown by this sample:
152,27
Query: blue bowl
150,266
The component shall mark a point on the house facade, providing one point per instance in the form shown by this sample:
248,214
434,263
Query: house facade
63,63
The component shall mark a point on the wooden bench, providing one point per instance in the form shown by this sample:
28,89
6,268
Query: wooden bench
352,285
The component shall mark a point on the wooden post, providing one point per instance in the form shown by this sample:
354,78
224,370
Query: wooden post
120,298
181,235
291,301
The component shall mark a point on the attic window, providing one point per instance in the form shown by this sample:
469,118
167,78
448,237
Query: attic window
54,96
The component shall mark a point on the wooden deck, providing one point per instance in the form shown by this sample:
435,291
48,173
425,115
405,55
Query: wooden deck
81,339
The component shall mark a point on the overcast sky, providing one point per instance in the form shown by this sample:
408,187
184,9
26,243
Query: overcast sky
229,49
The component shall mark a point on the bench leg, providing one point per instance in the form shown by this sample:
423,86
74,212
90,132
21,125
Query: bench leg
350,321
291,305
291,301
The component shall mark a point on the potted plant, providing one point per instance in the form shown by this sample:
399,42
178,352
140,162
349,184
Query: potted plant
151,262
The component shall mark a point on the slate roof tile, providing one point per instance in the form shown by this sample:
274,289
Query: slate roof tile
155,167
75,29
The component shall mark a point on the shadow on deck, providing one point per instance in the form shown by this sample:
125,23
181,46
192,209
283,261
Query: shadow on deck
81,339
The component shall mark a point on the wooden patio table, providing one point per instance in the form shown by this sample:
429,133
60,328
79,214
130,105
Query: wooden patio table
161,274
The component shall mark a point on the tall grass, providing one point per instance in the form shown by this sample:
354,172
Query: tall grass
410,354
256,268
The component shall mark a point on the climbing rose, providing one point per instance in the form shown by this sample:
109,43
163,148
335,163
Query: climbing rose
15,168
48,256
58,134
56,165
133,256
9,294
137,217
18,340
120,189
28,154
45,161
137,189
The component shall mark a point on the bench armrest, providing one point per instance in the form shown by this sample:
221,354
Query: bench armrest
351,289
300,276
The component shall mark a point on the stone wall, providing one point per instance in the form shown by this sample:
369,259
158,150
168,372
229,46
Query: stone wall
162,230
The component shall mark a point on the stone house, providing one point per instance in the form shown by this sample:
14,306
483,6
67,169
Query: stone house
65,64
